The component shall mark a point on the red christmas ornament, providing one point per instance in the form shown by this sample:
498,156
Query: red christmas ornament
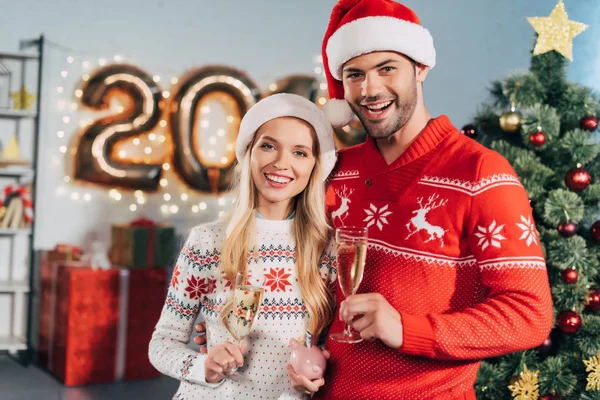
546,346
577,179
589,123
569,275
537,138
469,130
593,303
595,231
567,229
551,397
569,322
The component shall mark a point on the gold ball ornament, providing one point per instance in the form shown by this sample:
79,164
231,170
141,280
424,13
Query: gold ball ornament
510,121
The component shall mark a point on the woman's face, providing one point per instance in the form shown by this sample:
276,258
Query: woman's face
282,160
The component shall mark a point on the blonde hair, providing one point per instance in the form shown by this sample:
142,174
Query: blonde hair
310,230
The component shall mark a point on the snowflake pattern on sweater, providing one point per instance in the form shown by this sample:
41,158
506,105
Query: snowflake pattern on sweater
198,288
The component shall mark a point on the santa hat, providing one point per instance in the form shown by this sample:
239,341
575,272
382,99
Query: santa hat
359,27
288,105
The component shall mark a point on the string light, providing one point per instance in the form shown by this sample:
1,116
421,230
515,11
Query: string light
224,160
136,141
222,201
156,78
64,74
148,150
102,62
174,209
67,178
202,206
164,208
63,149
78,93
85,77
117,58
195,208
230,119
152,137
74,196
174,80
205,110
221,213
166,94
87,197
74,106
162,138
122,153
60,134
221,132
166,166
205,123
70,60
184,196
167,197
86,64
66,119
272,87
164,182
133,207
212,140
163,123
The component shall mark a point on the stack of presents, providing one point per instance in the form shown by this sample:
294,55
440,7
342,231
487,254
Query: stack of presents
96,320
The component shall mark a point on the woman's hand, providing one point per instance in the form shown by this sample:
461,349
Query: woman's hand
222,359
301,383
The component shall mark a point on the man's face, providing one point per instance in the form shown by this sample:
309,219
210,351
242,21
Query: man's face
381,88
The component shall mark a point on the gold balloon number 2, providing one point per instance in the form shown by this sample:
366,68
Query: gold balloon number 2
143,105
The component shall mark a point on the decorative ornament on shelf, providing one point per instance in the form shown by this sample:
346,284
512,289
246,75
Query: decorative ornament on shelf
589,123
16,207
11,155
569,322
556,32
592,365
526,387
469,130
595,232
569,275
510,121
22,99
538,137
593,303
567,229
578,179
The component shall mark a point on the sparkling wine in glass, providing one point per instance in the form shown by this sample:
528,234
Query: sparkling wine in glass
351,245
246,306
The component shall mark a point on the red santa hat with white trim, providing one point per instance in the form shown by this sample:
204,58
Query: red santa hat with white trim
359,27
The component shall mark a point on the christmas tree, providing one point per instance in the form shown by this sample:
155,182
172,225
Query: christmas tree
546,127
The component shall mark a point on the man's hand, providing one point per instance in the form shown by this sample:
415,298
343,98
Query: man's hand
377,319
201,338
301,383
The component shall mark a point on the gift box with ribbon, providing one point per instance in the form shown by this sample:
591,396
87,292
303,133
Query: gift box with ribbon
142,243
102,322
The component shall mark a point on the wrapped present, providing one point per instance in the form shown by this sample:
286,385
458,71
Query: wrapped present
142,243
62,252
102,323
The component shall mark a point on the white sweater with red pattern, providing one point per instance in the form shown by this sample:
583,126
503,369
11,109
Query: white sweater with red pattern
198,288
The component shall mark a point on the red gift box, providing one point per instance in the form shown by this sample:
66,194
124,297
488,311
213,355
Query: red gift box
61,253
102,323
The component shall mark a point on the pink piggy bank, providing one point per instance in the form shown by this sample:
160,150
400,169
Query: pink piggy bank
307,361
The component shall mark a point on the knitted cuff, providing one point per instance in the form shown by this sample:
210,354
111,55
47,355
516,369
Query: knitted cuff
196,372
418,336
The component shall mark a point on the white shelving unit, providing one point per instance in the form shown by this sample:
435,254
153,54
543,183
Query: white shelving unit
16,245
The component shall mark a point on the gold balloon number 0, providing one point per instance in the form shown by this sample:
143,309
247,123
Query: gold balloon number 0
96,160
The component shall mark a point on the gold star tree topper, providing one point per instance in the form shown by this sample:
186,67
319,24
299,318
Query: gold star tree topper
556,32
22,99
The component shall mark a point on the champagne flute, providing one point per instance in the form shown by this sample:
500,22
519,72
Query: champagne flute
351,245
246,306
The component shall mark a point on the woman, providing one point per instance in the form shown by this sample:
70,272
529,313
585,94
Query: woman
278,235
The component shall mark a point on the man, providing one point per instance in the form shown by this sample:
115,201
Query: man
454,270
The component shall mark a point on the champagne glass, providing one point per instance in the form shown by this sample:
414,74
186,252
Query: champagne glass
351,245
246,306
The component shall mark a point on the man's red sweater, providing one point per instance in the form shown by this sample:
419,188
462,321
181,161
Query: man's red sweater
453,247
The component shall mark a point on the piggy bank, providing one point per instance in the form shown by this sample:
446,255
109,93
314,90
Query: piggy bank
307,361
